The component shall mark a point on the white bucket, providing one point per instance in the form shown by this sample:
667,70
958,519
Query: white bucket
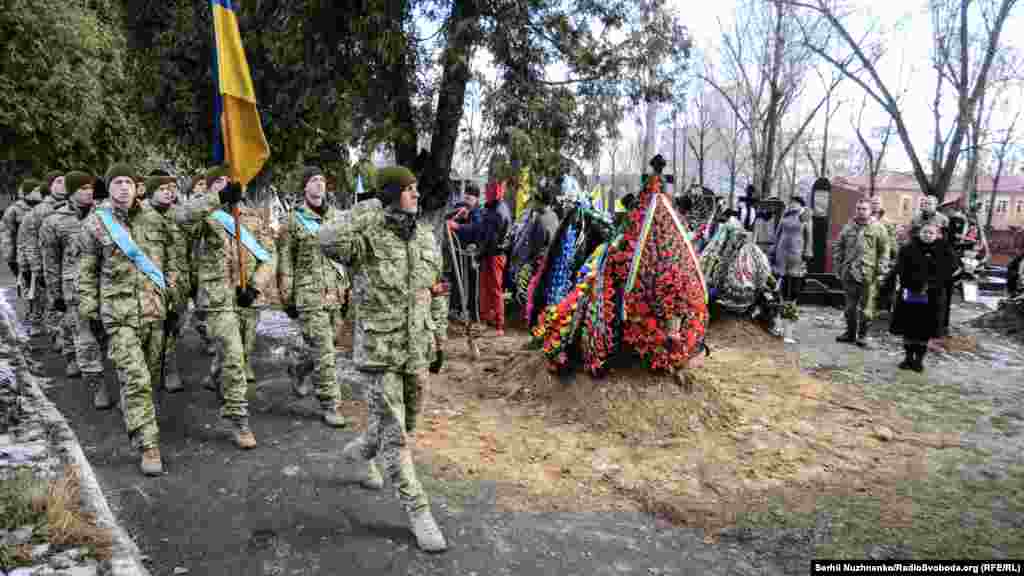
970,292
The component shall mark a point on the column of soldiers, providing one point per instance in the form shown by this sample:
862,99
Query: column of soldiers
112,274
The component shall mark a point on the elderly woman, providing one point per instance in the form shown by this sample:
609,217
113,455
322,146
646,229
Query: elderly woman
793,248
924,267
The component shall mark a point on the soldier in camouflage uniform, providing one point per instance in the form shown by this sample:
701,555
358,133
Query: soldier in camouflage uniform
928,214
197,189
859,256
312,291
127,298
232,319
10,222
30,257
400,326
163,193
59,240
886,285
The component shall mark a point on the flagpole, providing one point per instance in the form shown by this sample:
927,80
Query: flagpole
235,210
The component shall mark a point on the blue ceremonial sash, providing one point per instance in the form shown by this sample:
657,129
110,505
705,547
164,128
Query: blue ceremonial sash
314,228
248,239
124,241
308,223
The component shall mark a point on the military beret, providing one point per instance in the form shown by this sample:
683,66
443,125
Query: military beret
216,172
154,182
399,175
27,186
75,180
117,170
307,173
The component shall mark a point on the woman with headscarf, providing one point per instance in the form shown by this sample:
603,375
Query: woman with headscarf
793,248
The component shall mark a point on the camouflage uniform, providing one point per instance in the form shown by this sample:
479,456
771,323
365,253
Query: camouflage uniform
131,306
311,284
171,333
9,224
60,244
30,260
232,327
399,323
860,255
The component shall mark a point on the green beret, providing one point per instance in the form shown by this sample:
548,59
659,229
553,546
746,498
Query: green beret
395,175
307,173
75,180
117,170
154,182
216,172
27,186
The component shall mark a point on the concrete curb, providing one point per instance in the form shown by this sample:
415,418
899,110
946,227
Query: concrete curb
126,559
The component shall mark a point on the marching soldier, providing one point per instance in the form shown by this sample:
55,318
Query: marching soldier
30,257
400,318
59,240
232,319
312,292
12,219
127,282
163,191
197,189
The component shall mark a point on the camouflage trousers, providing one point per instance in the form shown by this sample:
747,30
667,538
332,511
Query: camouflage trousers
202,326
88,347
234,335
385,436
136,357
317,352
859,305
37,310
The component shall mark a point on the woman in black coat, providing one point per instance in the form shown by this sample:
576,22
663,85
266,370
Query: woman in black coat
924,267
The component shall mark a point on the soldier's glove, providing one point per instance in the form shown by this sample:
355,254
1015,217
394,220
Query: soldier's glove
59,305
171,321
231,194
435,366
245,297
292,311
14,268
99,190
96,327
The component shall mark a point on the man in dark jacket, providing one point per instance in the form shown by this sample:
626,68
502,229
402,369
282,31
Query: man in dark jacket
489,234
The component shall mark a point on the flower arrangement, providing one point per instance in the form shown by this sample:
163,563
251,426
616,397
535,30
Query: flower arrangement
789,311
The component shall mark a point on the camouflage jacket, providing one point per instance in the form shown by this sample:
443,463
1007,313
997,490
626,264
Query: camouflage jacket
307,279
110,286
29,255
890,229
216,264
399,321
12,219
180,246
861,252
60,243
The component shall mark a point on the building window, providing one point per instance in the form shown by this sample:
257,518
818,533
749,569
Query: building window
1020,207
1002,206
905,205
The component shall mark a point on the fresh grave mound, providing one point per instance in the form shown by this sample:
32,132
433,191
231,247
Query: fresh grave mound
736,332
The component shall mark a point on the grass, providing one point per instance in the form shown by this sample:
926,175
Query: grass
53,510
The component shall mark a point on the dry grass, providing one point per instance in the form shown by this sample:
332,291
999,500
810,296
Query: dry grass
753,428
54,510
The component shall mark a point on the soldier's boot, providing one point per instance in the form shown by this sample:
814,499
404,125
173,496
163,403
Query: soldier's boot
332,415
151,465
241,434
428,534
908,358
918,365
862,334
368,475
71,369
172,379
101,399
302,385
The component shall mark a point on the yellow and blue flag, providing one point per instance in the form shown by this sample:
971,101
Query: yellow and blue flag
238,133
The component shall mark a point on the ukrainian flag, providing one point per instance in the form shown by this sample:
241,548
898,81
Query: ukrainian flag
239,142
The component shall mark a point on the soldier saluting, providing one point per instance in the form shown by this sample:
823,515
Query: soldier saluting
127,282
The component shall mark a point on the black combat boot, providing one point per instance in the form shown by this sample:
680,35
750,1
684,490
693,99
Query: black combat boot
918,365
908,358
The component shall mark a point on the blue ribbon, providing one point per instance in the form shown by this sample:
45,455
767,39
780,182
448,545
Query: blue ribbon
308,223
248,239
124,241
